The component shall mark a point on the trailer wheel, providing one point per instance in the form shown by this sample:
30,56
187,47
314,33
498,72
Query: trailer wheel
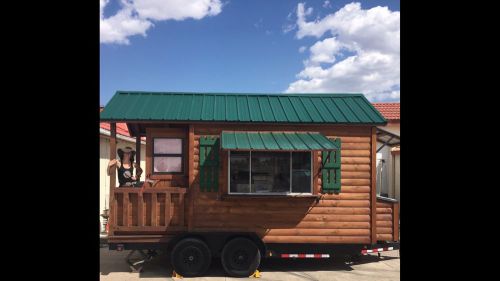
191,257
240,257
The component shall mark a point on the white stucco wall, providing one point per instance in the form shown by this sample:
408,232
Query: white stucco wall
103,165
384,171
396,175
392,128
388,169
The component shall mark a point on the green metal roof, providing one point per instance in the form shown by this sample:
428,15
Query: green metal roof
265,108
276,141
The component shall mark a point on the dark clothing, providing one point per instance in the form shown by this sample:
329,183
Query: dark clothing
122,179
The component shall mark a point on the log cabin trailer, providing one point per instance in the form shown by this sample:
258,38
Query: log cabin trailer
250,176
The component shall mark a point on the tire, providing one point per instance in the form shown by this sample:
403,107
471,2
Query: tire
191,257
240,257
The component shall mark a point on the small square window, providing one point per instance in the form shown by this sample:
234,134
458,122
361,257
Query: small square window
168,155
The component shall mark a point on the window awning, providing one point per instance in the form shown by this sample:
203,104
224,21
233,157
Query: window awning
276,141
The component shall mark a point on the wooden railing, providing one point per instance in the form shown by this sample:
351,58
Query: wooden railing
154,209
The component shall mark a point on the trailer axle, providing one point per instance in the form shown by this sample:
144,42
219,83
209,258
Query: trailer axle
136,265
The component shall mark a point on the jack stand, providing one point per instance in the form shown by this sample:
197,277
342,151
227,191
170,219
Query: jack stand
176,275
256,274
137,265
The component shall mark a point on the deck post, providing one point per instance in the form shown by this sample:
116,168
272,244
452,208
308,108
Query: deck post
138,151
190,178
373,189
112,179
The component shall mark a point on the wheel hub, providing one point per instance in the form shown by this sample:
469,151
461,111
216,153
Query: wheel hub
240,257
191,257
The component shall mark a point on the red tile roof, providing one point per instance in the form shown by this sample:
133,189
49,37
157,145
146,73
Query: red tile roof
121,128
390,110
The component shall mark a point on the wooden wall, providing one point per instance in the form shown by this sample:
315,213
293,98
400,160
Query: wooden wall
387,221
343,218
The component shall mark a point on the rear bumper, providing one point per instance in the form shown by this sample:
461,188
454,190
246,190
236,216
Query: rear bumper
103,239
383,247
326,250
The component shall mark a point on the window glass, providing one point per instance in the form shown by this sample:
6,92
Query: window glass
301,172
167,146
239,172
167,164
270,172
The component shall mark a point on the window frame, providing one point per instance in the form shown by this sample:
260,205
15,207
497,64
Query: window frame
154,155
311,155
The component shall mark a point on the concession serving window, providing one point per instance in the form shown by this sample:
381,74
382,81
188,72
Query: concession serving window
272,162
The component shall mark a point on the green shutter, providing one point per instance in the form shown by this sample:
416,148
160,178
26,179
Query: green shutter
209,163
331,176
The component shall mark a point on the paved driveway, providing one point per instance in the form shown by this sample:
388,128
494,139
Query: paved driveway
114,268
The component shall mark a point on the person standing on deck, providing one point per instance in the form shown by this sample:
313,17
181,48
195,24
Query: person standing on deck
125,167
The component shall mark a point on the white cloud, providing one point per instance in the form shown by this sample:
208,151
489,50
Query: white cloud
313,72
309,11
326,4
136,16
177,9
325,51
117,28
288,27
102,4
290,23
361,53
302,49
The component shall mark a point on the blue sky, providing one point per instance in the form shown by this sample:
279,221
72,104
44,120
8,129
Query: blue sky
250,46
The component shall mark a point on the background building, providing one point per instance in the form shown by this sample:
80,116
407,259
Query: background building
388,150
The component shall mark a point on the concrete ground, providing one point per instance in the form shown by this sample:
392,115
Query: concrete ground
114,268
